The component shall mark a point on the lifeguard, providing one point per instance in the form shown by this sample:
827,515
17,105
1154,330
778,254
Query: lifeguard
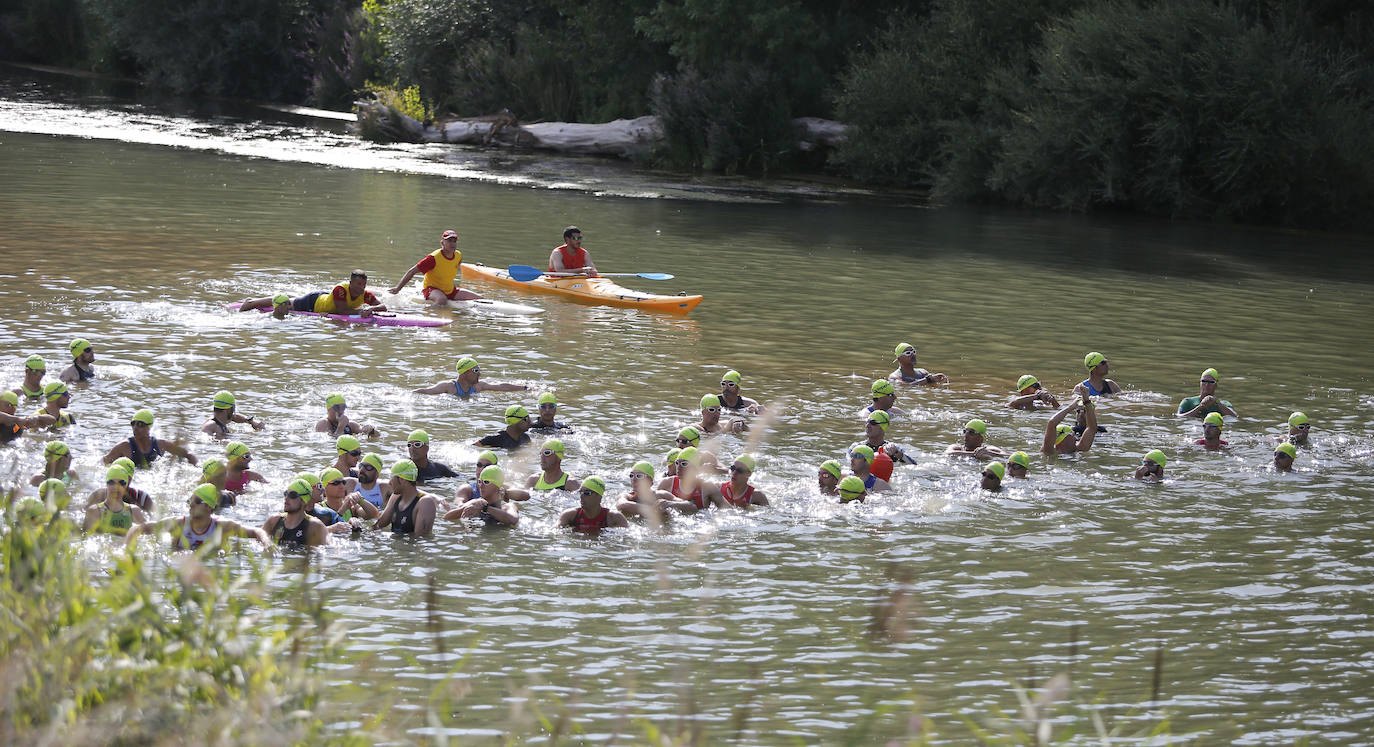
571,258
441,268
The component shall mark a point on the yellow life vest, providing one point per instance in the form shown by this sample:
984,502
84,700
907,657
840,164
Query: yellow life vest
64,418
325,303
445,270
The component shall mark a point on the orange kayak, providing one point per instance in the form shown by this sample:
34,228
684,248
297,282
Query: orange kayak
597,291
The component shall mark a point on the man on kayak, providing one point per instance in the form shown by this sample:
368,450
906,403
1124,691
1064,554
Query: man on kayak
469,382
336,423
442,268
571,257
222,414
80,369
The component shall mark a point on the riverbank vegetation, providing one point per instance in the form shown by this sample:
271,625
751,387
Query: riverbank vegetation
1254,111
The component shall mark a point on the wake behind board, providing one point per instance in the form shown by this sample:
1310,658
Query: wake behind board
384,319
492,306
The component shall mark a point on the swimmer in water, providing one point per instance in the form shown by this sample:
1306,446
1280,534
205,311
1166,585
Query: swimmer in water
57,463
1206,401
730,397
975,431
591,517
851,490
1018,464
408,511
737,492
908,373
82,368
828,477
237,475
1284,455
337,423
514,435
1151,466
113,515
642,499
552,476
293,525
1030,395
1059,436
1211,433
223,413
710,418
469,382
495,504
1097,382
55,401
143,447
12,425
199,528
690,492
1299,429
351,298
884,398
993,474
31,388
547,423
861,460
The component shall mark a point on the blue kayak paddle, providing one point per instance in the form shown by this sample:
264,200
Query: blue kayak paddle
525,273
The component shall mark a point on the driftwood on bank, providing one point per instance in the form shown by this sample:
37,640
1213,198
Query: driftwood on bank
621,138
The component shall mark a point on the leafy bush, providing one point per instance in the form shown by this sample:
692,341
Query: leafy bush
736,120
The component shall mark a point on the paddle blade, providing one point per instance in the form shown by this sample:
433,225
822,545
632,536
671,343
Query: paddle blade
654,275
524,273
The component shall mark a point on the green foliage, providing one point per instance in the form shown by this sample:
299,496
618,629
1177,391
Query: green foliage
735,120
56,32
1185,109
200,652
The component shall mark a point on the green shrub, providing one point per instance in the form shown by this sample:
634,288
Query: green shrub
735,120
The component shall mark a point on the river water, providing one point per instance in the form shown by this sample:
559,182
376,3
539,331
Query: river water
131,225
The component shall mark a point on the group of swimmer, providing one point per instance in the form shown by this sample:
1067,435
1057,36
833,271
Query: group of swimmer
349,493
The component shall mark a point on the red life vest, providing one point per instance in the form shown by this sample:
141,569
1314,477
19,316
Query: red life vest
574,261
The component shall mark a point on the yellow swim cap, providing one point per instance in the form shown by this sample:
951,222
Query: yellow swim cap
689,455
10,397
644,467
310,478
851,488
1093,360
731,375
516,413
882,388
1025,381
977,426
418,435
1063,431
1287,448
78,347
488,456
212,467
208,494
54,491
346,443
373,460
1297,419
54,390
301,488
493,475
406,470
1214,418
1210,372
833,467
1156,456
35,363
280,299
692,435
466,364
901,350
236,449
126,463
879,417
747,460
55,450
998,469
223,400
143,416
866,452
547,398
1019,458
595,484
556,446
334,399
710,400
330,474
117,472
672,456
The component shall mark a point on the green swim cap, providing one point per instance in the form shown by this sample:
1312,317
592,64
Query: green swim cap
689,455
346,443
406,470
208,494
732,375
692,435
1020,458
880,417
236,449
10,397
117,472
997,468
280,299
466,364
672,456
53,390
493,475
1063,431
54,491
301,488
556,446
143,416
223,400
901,349
1156,456
547,398
1212,372
864,451
516,413
78,347
833,467
850,489
1093,360
882,388
311,479
595,484
1287,448
373,460
747,460
1214,418
418,435
55,450
644,467
330,474
1297,419
1025,381
977,426
710,400
488,456
212,467
334,399
35,363
127,464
